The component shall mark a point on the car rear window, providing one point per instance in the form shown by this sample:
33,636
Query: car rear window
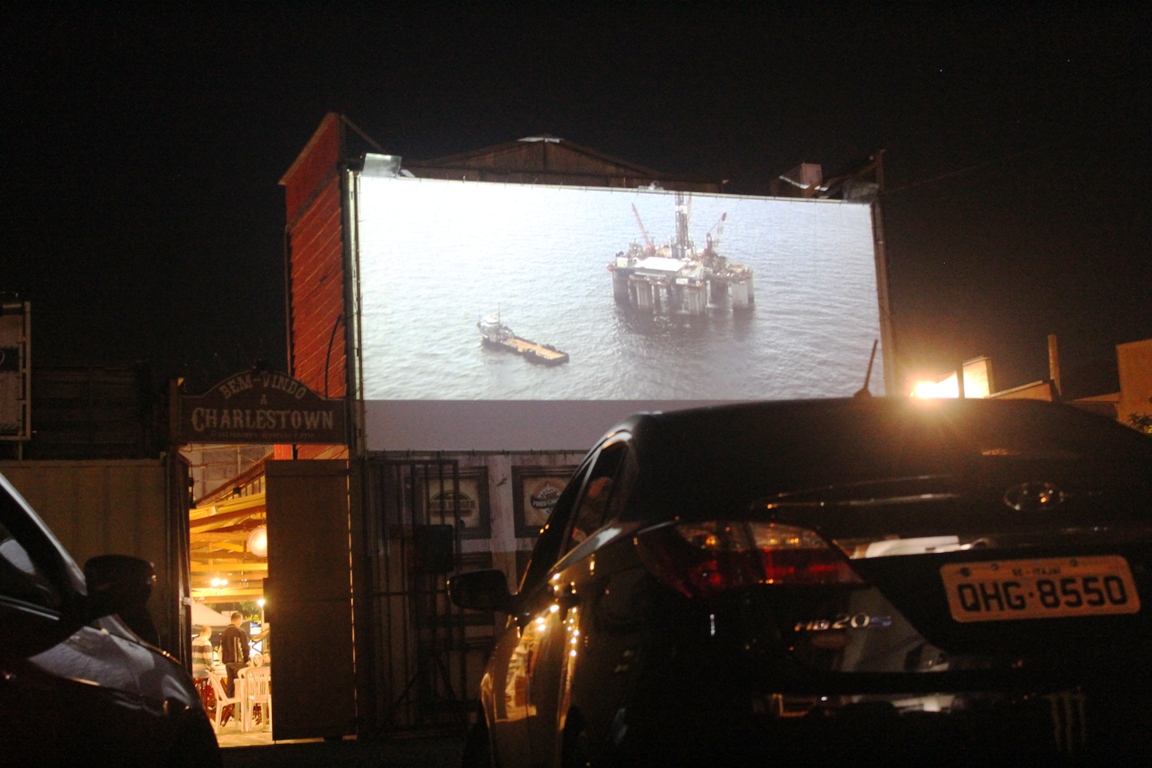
732,455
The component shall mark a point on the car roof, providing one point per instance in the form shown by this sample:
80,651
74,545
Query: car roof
726,455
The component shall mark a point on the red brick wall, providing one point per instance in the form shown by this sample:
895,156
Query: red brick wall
316,276
317,161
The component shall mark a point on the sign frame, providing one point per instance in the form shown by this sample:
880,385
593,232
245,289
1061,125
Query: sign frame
15,371
433,507
522,478
261,407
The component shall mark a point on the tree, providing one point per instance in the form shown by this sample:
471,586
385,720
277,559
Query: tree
1141,421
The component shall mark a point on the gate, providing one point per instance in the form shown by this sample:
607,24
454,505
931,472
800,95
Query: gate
429,654
309,596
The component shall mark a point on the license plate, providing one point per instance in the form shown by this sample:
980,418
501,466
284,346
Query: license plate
1053,587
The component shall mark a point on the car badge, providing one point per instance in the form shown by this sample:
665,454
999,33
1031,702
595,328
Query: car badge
1034,497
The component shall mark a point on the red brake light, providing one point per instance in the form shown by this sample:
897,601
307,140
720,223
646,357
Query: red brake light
708,558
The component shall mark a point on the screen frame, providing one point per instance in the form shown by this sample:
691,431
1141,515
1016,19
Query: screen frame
381,428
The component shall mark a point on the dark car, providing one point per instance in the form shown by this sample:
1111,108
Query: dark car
932,582
77,686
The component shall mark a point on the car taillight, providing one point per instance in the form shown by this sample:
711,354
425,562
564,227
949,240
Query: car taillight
702,559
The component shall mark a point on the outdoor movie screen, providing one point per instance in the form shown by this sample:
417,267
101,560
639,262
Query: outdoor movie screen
518,316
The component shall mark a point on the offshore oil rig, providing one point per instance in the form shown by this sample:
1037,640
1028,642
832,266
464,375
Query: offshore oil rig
677,278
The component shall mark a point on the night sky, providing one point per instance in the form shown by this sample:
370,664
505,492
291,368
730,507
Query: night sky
141,149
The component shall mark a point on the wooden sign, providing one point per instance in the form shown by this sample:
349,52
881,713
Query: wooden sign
263,407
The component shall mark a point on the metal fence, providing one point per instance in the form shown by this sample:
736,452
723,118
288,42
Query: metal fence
428,654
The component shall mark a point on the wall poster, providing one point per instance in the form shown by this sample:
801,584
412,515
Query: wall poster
534,494
464,506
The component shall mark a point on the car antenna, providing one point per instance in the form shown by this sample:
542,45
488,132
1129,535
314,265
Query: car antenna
863,393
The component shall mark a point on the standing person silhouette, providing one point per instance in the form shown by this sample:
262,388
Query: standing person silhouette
233,651
202,652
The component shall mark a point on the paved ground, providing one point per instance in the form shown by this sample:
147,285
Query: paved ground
430,750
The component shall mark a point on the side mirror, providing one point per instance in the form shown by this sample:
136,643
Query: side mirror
117,582
484,590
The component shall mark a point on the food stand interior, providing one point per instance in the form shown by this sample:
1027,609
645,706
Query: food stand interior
228,563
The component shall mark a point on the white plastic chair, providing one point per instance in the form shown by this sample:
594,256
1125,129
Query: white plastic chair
223,700
257,690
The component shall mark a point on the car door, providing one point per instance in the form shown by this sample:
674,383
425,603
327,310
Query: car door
29,729
505,687
64,690
556,606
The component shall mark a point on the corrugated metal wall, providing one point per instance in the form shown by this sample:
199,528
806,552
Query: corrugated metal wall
108,507
550,160
95,411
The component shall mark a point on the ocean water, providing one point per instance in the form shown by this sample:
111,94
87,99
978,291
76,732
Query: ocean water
436,256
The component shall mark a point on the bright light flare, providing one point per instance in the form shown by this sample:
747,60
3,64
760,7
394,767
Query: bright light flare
258,542
930,389
977,382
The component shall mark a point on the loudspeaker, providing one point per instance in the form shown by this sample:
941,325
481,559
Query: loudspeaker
434,548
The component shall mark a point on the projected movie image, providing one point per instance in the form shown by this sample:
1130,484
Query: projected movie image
480,291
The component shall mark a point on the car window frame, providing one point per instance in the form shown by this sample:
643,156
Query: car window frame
47,554
552,544
553,535
621,441
40,591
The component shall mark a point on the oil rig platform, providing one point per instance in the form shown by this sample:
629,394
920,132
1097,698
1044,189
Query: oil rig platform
677,278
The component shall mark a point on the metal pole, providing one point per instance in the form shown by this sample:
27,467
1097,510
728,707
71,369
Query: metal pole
1054,363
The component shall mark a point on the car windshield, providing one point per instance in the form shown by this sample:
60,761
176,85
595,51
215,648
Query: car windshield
731,456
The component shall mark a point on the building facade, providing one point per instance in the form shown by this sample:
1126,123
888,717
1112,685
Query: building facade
422,292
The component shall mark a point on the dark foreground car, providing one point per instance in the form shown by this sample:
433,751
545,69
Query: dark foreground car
77,687
918,582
